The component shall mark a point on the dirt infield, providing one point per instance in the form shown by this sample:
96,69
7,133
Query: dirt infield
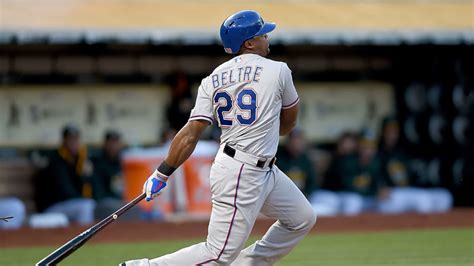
150,231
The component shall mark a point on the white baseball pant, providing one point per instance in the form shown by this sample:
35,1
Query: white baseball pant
241,191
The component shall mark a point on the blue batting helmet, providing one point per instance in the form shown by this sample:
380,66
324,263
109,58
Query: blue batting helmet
242,26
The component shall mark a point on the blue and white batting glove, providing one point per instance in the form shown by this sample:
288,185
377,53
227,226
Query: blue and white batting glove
154,184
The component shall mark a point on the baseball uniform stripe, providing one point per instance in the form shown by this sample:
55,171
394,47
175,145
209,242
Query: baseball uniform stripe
231,222
291,104
201,117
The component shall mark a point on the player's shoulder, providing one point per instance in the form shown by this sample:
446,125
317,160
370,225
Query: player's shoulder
204,83
280,66
268,61
273,62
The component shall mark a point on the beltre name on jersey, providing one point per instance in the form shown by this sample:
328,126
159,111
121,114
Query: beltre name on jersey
241,74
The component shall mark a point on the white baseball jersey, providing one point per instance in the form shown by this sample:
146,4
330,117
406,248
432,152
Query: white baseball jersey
245,96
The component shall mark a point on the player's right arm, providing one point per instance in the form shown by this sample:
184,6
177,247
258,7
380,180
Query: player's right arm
184,142
181,148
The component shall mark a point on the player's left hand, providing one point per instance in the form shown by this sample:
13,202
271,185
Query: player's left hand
154,185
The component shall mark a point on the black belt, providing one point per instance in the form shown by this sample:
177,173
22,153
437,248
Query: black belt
260,163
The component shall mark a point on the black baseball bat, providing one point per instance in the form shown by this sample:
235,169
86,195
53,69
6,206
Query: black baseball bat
71,246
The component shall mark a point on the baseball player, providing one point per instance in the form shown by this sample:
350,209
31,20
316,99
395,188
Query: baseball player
253,100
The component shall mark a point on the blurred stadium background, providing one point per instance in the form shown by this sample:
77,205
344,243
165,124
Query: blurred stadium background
114,64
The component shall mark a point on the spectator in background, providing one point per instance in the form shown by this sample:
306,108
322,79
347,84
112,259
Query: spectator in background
402,194
294,161
12,207
66,186
182,101
346,146
179,109
107,177
360,175
107,180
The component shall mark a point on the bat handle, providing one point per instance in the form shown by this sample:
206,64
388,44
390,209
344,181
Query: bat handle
130,204
118,213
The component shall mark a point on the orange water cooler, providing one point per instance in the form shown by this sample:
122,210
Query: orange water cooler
187,189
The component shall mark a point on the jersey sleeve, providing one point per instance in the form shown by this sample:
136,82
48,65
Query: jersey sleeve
203,108
289,96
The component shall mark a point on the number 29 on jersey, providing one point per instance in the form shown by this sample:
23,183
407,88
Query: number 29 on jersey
246,104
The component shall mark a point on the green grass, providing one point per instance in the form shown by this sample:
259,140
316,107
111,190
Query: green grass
422,247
